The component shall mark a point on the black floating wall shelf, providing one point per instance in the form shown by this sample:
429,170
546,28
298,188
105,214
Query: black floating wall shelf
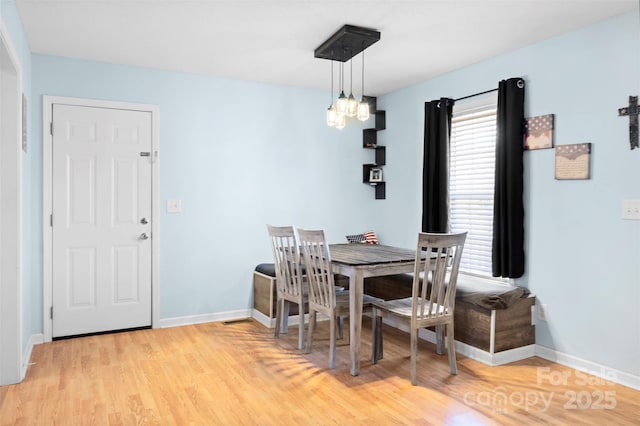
370,141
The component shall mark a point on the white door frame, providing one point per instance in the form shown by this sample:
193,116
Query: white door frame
11,365
47,190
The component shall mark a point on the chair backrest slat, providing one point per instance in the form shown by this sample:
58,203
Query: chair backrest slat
439,272
286,256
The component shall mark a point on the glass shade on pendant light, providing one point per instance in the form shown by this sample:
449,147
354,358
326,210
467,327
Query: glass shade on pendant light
341,104
363,110
352,106
331,116
363,106
341,121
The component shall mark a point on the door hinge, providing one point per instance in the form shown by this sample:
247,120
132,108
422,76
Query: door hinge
51,220
51,128
51,313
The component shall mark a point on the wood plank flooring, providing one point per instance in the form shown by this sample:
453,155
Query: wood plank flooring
215,374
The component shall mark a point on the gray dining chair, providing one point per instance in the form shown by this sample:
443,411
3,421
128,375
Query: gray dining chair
323,296
432,303
289,278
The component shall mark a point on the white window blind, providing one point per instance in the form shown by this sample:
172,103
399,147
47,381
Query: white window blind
471,179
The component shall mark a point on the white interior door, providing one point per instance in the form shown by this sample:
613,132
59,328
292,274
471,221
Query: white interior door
101,222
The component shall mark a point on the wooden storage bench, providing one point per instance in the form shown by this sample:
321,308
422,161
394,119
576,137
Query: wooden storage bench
490,316
495,330
265,290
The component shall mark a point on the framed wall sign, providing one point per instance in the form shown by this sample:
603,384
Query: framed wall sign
572,161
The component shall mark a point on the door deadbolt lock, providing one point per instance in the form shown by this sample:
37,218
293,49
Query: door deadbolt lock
144,221
144,236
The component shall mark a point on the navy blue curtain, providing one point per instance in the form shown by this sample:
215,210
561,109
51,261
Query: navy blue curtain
435,168
508,208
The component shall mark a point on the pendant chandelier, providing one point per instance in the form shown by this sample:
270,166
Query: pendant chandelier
342,46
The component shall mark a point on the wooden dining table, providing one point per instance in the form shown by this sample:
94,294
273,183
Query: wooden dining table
359,261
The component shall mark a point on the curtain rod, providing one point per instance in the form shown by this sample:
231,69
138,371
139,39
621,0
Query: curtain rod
475,94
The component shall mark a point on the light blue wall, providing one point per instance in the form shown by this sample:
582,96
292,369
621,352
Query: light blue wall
31,249
583,260
239,155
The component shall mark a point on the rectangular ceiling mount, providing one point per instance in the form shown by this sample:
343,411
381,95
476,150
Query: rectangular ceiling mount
346,43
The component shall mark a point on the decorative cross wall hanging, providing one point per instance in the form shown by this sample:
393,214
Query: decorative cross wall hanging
632,112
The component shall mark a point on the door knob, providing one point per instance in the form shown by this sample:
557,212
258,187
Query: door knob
144,221
144,236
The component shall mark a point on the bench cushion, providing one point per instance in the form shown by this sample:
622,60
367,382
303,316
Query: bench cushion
484,293
488,294
266,269
269,269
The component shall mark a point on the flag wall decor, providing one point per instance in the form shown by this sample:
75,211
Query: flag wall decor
538,132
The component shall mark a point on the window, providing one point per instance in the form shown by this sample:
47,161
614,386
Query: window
471,179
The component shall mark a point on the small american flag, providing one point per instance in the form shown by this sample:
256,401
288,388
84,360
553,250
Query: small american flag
370,237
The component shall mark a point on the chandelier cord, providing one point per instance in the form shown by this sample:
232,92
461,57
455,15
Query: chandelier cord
331,93
351,78
363,70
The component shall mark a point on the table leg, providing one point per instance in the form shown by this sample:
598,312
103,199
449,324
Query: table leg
356,285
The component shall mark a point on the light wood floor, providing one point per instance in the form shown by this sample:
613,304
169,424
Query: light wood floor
215,374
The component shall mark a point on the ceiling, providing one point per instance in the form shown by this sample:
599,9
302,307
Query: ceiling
273,41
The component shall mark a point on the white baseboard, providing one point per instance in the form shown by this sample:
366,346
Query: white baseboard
263,319
589,367
199,319
498,358
271,322
34,339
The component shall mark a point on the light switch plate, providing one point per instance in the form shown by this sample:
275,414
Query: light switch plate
174,205
631,209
